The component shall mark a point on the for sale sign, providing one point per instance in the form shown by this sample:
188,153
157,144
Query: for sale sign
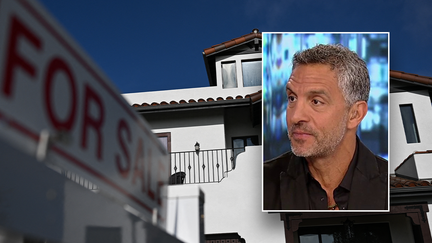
54,100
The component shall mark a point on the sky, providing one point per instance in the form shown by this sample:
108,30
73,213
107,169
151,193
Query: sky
157,45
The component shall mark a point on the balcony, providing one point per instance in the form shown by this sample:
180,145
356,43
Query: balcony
191,167
204,166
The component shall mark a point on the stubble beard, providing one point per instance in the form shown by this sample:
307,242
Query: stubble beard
325,143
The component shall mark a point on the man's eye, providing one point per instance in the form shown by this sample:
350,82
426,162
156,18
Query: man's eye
316,102
291,98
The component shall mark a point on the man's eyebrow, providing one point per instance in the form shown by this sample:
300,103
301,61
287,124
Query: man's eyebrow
288,89
318,92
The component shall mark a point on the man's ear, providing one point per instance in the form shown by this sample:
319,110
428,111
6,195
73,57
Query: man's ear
356,114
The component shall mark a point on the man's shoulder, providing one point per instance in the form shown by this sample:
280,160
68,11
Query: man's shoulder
280,162
382,164
286,162
379,162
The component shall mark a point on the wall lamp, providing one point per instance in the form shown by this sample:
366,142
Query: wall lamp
197,148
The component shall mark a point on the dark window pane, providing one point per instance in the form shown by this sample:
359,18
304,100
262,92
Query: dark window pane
164,141
409,123
238,143
310,238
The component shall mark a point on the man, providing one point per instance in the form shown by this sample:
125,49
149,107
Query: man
328,168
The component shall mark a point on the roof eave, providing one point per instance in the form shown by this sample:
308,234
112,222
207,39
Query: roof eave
411,78
194,106
411,191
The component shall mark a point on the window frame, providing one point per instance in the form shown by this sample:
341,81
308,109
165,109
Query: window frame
238,59
168,135
410,129
246,61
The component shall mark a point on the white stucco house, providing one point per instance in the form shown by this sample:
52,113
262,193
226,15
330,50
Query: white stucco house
207,129
214,137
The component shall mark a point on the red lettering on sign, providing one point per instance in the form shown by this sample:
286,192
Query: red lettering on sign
150,193
160,181
58,65
123,168
17,30
92,98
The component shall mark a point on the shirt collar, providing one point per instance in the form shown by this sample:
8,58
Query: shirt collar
346,181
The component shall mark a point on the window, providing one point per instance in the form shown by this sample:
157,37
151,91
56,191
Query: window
165,139
348,232
252,73
239,143
409,123
229,79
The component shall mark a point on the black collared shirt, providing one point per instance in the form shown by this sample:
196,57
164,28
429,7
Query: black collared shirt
318,196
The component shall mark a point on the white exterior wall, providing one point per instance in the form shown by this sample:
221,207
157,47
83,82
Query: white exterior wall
182,139
187,128
399,148
235,204
183,218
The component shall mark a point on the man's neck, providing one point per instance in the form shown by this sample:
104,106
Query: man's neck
330,170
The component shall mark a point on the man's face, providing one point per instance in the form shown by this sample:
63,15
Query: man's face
316,113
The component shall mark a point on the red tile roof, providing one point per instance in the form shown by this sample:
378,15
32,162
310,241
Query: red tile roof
253,97
411,77
399,182
227,44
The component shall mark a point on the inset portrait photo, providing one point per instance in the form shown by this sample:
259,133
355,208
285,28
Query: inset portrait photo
325,122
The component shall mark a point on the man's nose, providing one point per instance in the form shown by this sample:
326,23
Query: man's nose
297,113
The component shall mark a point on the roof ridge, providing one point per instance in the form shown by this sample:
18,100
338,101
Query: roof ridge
226,44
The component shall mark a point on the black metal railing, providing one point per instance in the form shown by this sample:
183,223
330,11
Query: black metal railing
201,167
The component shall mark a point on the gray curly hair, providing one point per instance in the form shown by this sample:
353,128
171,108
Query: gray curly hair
353,75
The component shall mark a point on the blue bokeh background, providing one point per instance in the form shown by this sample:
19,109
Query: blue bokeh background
278,49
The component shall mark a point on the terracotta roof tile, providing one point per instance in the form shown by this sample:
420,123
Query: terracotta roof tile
399,182
253,98
227,44
411,77
256,96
